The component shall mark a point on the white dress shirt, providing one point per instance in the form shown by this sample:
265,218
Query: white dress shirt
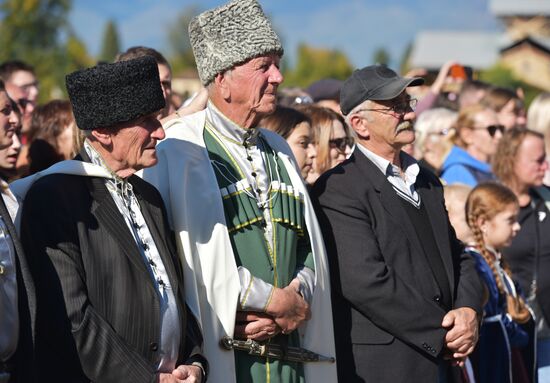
403,185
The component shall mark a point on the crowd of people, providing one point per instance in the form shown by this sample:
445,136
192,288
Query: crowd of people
377,229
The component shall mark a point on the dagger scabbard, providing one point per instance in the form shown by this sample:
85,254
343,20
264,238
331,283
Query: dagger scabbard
274,351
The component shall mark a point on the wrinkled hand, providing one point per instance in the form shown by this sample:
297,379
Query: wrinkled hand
288,308
462,336
188,374
255,326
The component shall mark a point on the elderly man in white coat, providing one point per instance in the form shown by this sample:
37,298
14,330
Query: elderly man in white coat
254,259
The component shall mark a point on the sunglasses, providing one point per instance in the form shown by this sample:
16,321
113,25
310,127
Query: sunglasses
341,143
492,129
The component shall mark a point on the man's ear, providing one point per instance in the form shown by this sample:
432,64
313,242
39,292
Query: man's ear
103,136
222,84
360,125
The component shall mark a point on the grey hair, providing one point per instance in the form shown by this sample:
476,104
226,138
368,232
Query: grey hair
355,110
433,121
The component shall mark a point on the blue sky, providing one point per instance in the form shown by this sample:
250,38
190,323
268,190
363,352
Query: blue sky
356,27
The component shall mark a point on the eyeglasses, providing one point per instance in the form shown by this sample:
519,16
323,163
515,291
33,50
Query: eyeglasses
492,129
400,108
341,143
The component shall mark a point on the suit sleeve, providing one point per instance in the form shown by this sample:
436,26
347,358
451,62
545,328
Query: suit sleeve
364,279
50,236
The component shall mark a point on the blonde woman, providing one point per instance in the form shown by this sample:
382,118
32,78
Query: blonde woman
332,139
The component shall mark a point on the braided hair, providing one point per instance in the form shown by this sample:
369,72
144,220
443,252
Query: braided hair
485,201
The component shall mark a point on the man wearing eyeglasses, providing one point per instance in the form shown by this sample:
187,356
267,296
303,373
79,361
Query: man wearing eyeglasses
22,87
406,300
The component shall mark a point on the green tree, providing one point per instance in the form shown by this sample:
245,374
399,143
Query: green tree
178,38
313,64
502,76
110,45
37,32
381,56
31,27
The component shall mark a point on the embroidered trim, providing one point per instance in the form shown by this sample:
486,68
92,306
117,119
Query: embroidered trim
243,301
244,224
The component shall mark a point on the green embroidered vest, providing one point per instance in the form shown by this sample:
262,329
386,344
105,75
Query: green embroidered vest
275,264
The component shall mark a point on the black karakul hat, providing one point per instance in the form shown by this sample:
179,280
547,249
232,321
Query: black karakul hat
110,94
375,82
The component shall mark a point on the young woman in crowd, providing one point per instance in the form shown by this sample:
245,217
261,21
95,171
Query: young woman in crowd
520,164
295,128
491,212
332,139
53,135
8,156
477,134
508,105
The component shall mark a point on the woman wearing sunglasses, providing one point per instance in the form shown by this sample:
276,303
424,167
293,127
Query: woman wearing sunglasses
477,134
332,139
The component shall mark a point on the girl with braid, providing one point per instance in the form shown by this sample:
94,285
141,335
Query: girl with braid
491,212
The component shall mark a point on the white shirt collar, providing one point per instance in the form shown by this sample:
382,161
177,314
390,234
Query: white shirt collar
409,165
228,129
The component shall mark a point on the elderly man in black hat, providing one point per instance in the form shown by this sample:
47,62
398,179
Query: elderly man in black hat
406,298
110,299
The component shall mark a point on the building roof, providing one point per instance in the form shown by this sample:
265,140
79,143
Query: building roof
538,42
503,8
480,50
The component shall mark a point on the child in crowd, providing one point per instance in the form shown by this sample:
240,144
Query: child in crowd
491,212
455,201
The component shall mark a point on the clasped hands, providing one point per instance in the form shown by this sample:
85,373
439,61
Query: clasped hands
286,311
462,325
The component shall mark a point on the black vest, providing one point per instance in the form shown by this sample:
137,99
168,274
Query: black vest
423,228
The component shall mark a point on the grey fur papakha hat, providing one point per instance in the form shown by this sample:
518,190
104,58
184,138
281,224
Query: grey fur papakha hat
110,94
230,35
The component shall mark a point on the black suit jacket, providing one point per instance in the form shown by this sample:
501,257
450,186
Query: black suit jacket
23,359
97,307
387,311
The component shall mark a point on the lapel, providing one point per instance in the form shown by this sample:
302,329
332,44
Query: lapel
391,203
110,219
388,197
107,213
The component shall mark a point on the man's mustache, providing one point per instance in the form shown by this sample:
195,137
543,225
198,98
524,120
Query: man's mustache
405,125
